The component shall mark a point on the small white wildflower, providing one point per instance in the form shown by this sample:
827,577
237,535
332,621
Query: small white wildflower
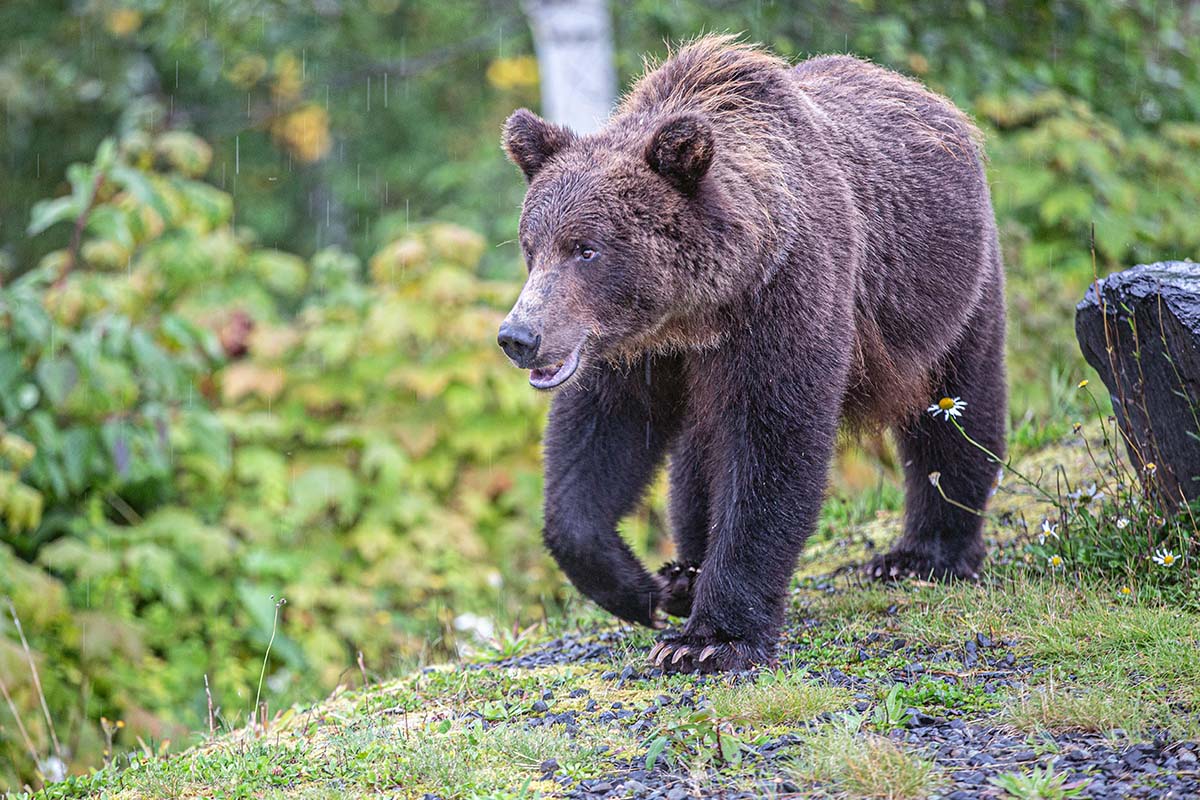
948,407
481,627
935,478
1048,529
1165,557
1122,523
1055,561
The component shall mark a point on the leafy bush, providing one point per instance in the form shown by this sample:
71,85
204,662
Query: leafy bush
194,424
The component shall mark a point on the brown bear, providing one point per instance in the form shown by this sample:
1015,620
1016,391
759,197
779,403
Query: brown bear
745,255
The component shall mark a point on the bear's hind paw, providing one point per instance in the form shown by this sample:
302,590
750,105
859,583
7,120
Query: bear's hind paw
901,565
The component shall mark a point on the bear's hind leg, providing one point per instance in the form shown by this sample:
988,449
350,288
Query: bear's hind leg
941,540
688,510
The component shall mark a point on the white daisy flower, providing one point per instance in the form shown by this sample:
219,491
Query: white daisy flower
1165,557
948,407
1048,529
1122,523
1055,561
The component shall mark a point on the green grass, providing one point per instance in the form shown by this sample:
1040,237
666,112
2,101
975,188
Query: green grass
844,763
1102,661
777,698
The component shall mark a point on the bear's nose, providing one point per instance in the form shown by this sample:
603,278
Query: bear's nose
519,343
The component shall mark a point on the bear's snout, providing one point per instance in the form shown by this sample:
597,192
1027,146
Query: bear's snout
519,343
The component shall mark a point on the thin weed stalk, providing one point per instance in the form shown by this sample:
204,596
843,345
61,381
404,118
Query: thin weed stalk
12,707
37,681
267,655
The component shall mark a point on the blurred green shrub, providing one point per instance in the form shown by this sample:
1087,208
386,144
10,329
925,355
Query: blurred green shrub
193,423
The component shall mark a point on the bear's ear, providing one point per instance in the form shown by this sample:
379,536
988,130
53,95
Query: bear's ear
681,150
530,141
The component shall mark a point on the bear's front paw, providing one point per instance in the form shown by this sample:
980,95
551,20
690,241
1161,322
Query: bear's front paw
688,653
900,565
679,587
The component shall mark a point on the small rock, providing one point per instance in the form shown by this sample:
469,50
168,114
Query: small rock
970,778
549,766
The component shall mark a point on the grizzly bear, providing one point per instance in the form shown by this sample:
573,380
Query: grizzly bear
747,254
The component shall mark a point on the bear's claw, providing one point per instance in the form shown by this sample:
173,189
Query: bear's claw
679,587
900,565
688,653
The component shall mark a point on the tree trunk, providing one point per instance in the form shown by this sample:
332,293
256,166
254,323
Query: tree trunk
573,39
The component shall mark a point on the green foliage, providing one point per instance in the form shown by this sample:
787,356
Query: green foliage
1039,784
940,695
193,424
891,712
204,404
700,739
1119,528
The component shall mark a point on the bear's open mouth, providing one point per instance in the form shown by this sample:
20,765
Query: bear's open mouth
545,378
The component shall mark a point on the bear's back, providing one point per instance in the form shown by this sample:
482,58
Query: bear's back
914,163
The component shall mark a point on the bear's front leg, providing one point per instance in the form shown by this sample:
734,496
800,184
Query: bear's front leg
770,416
604,441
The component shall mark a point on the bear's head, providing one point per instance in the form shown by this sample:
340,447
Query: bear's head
613,231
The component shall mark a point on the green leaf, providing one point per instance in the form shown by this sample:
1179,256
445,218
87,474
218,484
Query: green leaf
57,377
141,187
50,212
656,749
731,749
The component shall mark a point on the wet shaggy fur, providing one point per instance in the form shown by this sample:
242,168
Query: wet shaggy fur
747,255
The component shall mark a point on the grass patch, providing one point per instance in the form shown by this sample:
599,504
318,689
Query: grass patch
864,766
1057,709
777,698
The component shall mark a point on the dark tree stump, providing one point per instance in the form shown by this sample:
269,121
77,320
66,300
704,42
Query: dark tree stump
1140,329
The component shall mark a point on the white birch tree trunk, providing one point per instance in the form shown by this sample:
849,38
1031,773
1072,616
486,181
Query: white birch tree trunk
573,40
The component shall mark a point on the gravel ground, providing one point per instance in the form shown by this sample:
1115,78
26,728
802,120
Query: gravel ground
968,747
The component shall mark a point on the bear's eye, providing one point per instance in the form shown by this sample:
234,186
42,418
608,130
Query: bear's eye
585,252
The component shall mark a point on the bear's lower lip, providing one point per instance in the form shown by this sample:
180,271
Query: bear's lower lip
545,378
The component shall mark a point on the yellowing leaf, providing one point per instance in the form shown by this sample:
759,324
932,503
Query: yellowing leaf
246,378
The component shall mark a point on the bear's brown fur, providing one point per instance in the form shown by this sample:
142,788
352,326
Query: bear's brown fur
746,254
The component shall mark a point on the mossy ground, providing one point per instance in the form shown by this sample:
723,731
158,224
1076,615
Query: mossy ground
1036,668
